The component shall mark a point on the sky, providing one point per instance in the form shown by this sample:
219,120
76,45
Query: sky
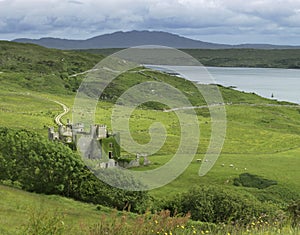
220,21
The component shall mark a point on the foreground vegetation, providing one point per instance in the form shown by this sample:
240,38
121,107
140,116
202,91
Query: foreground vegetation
29,213
34,164
252,189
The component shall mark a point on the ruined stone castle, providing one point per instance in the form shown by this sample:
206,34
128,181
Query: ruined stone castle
97,144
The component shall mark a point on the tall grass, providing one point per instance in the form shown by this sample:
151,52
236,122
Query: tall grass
163,223
43,222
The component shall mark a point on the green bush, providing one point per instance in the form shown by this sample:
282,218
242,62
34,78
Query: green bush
220,205
44,223
253,181
202,226
278,194
294,211
42,166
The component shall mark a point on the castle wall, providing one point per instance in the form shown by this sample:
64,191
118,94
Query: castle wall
95,145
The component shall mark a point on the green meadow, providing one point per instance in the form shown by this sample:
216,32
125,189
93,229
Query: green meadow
262,138
19,209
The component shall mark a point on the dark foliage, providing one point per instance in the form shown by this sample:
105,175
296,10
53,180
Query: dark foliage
294,211
38,165
220,205
253,181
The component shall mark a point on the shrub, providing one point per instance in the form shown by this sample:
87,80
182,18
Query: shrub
294,211
44,223
220,205
278,194
253,181
41,166
159,223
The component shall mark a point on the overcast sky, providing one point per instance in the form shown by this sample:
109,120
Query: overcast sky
223,21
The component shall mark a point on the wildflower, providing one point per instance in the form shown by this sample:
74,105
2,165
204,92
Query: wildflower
206,231
182,226
156,221
194,232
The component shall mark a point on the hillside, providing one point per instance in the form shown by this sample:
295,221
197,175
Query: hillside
262,140
35,68
24,213
20,210
279,58
38,68
137,38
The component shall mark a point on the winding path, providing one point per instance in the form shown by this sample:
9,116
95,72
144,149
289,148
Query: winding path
59,116
76,74
230,104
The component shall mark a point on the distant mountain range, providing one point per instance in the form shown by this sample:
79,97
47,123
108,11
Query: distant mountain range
138,38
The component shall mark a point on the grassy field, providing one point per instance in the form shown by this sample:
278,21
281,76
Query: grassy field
19,209
259,138
25,109
252,131
263,136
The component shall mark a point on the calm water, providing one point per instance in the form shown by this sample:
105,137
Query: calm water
284,84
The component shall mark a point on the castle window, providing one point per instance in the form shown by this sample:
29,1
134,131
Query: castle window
110,154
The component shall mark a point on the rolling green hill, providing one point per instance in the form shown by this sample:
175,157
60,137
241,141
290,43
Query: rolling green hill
37,68
263,136
20,210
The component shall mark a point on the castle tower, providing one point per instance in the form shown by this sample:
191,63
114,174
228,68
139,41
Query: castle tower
100,132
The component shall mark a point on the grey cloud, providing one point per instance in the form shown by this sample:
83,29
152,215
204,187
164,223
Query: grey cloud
187,17
75,2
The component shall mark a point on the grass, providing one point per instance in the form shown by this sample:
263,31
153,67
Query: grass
261,140
37,68
21,57
268,135
19,207
28,213
29,109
